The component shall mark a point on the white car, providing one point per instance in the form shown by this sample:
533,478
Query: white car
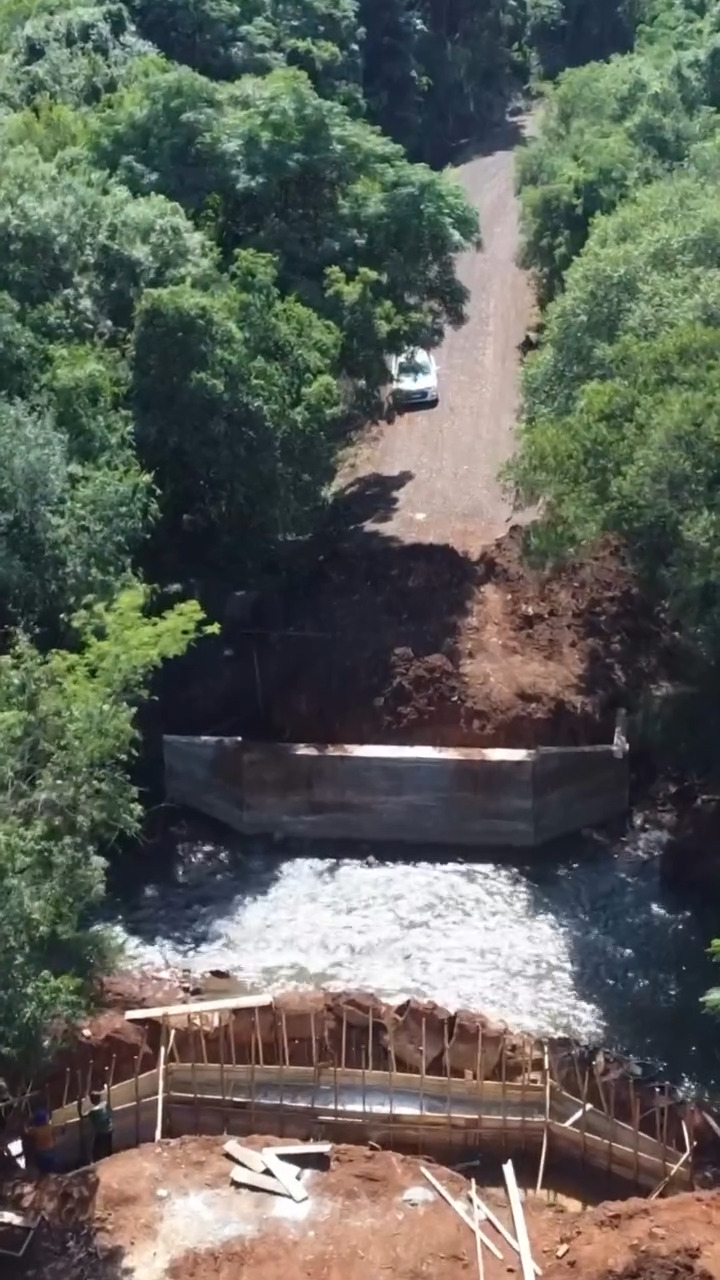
414,378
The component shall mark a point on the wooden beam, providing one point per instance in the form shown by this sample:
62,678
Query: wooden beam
199,1006
285,1176
460,1211
257,1181
250,1159
521,1233
161,1083
499,1227
10,1219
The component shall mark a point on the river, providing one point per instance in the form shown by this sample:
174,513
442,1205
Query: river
593,947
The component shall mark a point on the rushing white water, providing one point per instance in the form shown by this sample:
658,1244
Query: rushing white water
590,948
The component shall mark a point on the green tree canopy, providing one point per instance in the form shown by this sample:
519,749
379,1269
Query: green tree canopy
67,737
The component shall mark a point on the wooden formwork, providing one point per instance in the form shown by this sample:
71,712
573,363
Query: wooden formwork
445,1115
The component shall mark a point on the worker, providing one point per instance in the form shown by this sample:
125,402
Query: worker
40,1142
101,1123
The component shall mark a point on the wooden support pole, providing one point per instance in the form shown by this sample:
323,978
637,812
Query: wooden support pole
286,1047
314,1040
668,1177
252,1073
370,1040
66,1088
635,1112
196,1103
161,1082
546,1131
343,1039
221,1048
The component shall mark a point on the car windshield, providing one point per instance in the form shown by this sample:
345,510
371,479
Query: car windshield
414,364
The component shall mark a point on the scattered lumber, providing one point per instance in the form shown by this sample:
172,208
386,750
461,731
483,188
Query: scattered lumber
284,1175
526,1261
245,1156
268,1170
498,1225
460,1211
303,1150
241,1177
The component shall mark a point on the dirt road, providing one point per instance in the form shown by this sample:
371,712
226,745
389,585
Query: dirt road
453,453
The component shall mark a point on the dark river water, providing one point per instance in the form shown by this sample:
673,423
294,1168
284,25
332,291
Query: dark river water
593,947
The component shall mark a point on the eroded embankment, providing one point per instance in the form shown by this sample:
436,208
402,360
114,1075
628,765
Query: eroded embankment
369,640
358,1030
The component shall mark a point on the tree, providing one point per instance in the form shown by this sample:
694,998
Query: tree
273,167
225,40
235,400
606,130
67,738
73,56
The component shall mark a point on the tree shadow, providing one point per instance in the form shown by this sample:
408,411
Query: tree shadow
369,498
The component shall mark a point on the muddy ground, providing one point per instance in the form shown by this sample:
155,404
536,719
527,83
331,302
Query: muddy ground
168,1212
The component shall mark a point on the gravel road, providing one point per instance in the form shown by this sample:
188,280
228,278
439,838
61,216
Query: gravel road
453,453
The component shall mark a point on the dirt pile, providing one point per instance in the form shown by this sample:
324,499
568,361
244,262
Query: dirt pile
376,640
673,1239
167,1212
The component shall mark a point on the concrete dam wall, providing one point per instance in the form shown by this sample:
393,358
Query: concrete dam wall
413,794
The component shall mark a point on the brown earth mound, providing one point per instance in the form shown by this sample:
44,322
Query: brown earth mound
167,1212
375,640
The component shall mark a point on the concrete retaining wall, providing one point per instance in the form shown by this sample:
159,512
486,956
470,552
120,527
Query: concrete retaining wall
419,795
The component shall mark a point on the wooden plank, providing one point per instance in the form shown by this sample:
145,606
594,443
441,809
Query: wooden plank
161,1084
478,1240
303,1150
668,1178
586,1106
245,1156
500,1227
521,1233
284,1175
199,1006
8,1218
257,1181
460,1211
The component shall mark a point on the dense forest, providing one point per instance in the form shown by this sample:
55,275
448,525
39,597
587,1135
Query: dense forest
621,219
216,217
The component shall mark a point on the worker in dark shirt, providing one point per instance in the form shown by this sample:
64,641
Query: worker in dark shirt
101,1124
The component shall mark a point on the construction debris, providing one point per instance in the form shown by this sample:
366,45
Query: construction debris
269,1170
